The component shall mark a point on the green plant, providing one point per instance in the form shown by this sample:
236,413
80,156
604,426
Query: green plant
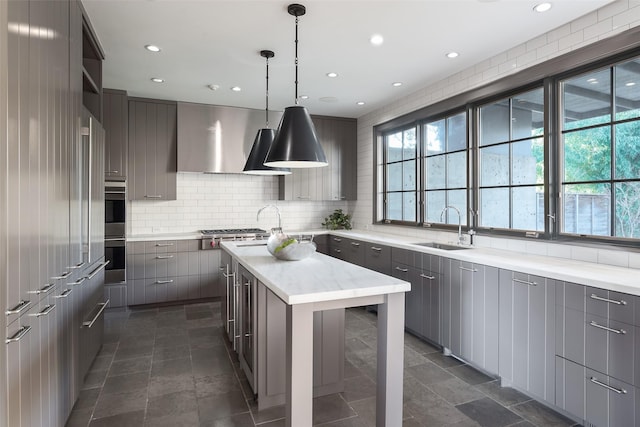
337,220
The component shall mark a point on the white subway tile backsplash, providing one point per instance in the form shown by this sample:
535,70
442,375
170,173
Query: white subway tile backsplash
584,254
558,250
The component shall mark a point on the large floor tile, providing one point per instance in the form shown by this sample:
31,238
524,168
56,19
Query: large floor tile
124,383
330,408
172,404
119,403
238,420
221,406
470,375
539,414
504,395
170,384
358,388
428,373
130,366
167,368
127,419
488,413
455,391
187,419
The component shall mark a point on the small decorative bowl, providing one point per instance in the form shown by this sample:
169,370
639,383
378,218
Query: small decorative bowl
294,251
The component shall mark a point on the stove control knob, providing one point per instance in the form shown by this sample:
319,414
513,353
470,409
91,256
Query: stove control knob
213,243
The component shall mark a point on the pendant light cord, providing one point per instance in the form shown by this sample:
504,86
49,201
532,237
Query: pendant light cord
266,108
296,61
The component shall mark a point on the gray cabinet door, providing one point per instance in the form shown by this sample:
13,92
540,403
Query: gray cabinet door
527,333
354,251
328,350
152,150
337,247
115,122
412,299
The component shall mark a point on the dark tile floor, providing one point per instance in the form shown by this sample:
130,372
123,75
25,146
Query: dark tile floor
171,366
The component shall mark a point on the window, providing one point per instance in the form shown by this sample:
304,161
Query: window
600,152
400,179
445,168
511,162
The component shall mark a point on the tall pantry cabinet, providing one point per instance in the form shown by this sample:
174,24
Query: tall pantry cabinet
41,246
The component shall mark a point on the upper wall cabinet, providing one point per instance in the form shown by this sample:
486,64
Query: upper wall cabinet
152,150
92,57
336,181
115,122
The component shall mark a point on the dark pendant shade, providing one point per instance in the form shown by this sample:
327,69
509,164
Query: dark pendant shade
296,144
255,161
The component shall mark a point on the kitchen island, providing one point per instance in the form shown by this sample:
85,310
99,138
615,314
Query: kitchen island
321,283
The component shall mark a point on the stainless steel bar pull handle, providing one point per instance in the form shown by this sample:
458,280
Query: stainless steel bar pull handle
73,267
473,270
43,290
162,245
404,270
427,277
355,244
374,248
163,282
18,335
89,323
47,309
337,250
229,275
97,270
607,386
615,331
77,282
65,294
525,282
23,304
62,276
610,301
337,239
164,257
153,196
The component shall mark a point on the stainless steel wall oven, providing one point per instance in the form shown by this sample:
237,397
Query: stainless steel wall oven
115,230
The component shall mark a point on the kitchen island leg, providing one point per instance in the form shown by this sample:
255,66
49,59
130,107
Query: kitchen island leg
390,361
299,391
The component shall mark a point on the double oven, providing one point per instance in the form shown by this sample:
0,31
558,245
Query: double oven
115,199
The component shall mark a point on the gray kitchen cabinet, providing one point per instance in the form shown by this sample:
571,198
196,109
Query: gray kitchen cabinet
322,243
354,251
152,165
338,247
115,122
429,278
328,350
413,299
171,270
337,181
595,398
470,312
527,333
592,332
92,319
377,257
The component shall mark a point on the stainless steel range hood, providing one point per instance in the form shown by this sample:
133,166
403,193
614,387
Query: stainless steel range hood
216,139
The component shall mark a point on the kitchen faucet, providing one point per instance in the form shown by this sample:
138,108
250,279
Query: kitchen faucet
277,212
460,240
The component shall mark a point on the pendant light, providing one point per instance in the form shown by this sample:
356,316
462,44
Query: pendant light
264,138
296,144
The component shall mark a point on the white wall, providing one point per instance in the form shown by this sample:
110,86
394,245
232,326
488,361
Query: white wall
208,201
603,23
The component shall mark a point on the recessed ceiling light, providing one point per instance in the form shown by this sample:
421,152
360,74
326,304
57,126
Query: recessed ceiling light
304,96
542,7
213,87
630,84
360,103
157,80
452,55
236,88
332,74
376,40
152,48
396,84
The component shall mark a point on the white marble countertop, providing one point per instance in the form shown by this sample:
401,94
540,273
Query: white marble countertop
314,279
601,276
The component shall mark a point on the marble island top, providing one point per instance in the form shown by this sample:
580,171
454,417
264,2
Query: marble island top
314,279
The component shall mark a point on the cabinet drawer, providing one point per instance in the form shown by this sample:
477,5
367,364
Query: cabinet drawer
430,262
610,348
354,251
161,246
377,257
614,305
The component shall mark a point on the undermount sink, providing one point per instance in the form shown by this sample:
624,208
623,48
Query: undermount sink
442,246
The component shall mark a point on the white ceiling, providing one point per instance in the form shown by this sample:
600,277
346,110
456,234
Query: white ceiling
218,42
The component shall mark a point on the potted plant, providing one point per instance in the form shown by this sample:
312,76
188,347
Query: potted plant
338,220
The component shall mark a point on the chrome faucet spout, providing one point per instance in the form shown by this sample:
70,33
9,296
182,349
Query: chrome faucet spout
277,212
460,241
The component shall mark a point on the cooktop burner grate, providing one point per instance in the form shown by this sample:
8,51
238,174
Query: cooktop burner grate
234,231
